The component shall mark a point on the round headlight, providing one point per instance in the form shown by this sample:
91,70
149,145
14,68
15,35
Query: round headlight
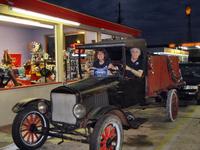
79,111
42,107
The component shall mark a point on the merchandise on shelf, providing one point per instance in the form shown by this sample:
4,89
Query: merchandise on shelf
71,59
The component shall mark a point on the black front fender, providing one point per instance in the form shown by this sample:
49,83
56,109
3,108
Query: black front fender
100,111
28,102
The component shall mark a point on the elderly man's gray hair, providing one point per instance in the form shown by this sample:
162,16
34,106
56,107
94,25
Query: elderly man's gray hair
134,48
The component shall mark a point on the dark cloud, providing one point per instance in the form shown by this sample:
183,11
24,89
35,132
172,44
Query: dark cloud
162,21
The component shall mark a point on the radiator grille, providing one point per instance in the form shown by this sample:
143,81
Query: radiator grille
96,100
62,108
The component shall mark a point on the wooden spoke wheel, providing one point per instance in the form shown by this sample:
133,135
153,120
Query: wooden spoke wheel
107,134
108,138
28,129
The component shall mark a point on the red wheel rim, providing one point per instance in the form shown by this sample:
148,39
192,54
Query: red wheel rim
32,122
174,106
108,138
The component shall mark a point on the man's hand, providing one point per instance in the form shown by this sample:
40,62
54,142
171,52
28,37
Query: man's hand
128,68
116,68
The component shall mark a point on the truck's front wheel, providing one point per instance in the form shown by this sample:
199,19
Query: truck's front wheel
107,134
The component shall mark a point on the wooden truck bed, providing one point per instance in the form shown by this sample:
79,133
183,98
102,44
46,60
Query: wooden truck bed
163,73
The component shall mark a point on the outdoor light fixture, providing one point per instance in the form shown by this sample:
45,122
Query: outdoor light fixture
35,14
172,45
24,22
188,10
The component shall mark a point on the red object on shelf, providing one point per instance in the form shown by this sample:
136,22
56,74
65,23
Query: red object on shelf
82,51
24,82
35,77
16,59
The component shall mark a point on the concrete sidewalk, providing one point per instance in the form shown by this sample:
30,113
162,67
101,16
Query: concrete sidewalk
155,134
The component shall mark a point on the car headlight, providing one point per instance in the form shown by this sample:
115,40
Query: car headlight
16,108
79,111
42,107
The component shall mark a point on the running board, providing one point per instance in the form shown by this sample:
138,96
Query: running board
62,136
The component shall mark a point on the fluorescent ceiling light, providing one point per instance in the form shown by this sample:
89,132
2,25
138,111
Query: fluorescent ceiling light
183,47
171,54
35,14
197,46
24,22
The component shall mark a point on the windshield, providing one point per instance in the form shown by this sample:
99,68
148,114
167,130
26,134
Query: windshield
98,63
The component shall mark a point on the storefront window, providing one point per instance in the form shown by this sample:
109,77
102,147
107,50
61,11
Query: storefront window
24,57
75,37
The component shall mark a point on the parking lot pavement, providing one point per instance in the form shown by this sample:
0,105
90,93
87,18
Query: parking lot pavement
155,134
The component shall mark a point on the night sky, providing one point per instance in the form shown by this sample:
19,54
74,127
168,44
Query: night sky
161,21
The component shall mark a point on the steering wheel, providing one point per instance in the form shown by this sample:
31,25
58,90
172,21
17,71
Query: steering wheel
115,72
